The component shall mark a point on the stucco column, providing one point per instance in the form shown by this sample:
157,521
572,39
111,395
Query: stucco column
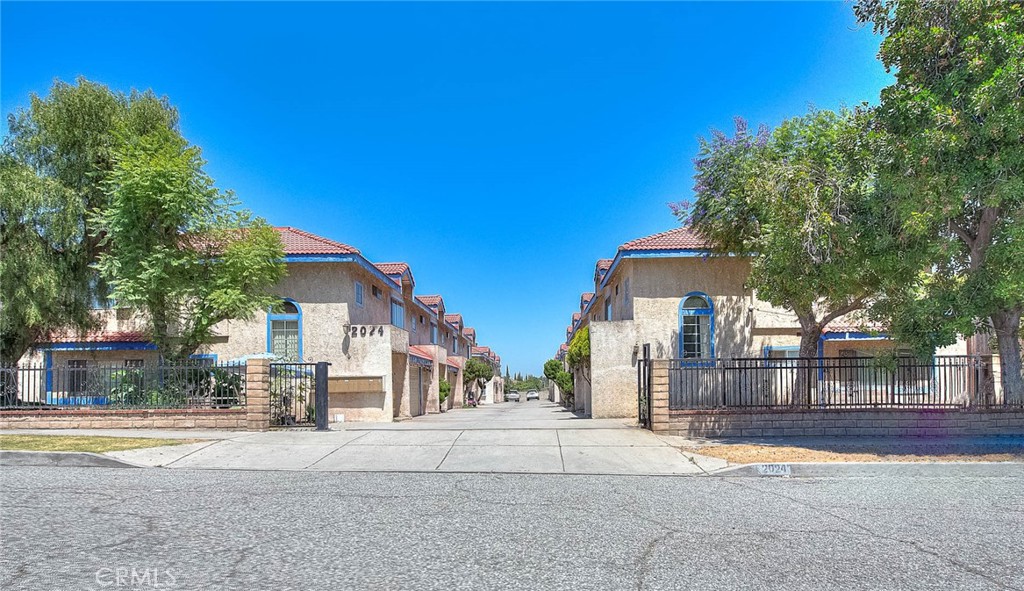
659,394
257,394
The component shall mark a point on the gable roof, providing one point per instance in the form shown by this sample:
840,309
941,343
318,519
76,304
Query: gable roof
395,271
455,319
430,300
298,241
682,238
469,331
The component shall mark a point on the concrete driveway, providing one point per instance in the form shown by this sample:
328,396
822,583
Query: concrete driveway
526,437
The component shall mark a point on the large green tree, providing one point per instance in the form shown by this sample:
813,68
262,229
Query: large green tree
798,201
56,156
178,249
951,162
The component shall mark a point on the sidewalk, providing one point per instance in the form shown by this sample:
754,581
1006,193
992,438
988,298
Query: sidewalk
538,451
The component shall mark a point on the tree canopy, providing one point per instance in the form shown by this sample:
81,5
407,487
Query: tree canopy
951,156
178,249
798,201
55,159
477,370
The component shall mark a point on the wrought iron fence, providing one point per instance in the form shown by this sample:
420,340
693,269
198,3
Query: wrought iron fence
292,394
832,382
81,385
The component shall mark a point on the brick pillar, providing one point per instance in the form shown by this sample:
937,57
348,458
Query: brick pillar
659,395
257,394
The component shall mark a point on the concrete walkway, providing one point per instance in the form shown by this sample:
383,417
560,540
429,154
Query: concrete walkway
526,437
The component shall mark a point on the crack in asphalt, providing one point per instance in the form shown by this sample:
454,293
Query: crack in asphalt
868,532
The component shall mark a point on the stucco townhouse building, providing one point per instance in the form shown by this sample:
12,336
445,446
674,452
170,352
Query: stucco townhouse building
390,346
668,291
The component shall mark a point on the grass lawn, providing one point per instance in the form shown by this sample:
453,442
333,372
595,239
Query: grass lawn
774,454
82,443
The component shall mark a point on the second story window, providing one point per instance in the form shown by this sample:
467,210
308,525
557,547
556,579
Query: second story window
433,333
359,294
608,309
455,346
397,314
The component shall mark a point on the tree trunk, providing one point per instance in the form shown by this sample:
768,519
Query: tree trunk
806,368
1007,326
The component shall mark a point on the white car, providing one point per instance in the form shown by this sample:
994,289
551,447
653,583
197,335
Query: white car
532,395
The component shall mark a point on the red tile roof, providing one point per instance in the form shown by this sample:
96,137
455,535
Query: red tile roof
682,238
563,348
455,319
421,352
585,298
469,331
455,362
393,270
122,336
576,316
431,301
604,264
301,242
865,326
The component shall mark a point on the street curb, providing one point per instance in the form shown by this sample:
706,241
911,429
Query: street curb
875,470
77,459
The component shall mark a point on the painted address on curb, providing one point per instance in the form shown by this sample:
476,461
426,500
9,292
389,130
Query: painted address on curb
774,470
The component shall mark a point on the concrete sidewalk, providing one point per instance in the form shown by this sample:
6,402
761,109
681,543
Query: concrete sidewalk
535,437
544,451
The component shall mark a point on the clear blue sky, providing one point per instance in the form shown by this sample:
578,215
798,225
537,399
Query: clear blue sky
499,148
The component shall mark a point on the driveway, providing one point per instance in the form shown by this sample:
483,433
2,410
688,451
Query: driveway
527,437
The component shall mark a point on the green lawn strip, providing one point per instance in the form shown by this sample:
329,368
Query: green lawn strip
83,443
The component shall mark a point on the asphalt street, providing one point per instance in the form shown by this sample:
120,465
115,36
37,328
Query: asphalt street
90,528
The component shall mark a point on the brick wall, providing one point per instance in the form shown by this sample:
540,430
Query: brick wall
221,419
830,423
255,416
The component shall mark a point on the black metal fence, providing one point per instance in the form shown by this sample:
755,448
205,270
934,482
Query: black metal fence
121,387
833,382
292,394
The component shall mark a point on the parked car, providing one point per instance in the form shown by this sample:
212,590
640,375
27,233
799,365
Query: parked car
512,397
532,395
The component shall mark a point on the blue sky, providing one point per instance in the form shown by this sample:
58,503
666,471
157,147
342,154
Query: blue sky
499,148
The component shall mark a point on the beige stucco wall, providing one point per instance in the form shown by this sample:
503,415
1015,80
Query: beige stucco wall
613,370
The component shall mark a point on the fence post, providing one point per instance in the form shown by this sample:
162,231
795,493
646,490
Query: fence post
658,395
320,398
257,394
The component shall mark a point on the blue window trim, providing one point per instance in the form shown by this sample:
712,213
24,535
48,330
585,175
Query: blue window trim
710,312
271,317
360,290
204,356
769,348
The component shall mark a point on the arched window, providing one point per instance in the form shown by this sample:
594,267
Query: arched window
284,331
696,327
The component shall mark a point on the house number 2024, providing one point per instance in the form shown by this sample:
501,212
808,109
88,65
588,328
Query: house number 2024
366,331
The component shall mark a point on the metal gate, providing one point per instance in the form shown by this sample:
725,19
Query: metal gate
298,395
643,387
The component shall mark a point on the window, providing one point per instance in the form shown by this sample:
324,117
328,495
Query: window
433,333
455,347
377,292
780,356
397,314
284,332
77,375
412,320
696,327
359,294
608,309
